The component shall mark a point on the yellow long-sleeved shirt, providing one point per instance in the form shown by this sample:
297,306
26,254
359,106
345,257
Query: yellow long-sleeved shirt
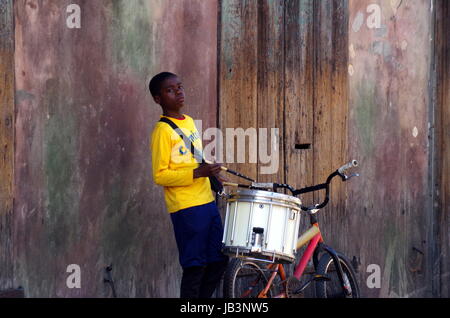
173,166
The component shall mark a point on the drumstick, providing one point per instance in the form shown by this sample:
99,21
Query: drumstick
230,184
237,174
237,185
257,186
233,172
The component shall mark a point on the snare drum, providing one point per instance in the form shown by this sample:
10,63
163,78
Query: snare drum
262,225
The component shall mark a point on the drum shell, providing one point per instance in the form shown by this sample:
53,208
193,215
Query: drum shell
277,214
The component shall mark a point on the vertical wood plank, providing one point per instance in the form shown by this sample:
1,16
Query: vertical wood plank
6,141
330,107
323,90
271,84
238,76
299,92
339,113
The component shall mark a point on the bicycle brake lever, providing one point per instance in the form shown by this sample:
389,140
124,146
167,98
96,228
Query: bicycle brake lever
351,176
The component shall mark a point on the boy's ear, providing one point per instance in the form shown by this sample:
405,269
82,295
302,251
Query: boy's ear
157,99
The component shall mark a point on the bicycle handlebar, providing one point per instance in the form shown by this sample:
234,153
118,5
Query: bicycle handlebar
339,172
349,165
324,186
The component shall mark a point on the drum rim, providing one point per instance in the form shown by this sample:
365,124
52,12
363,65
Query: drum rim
265,194
258,200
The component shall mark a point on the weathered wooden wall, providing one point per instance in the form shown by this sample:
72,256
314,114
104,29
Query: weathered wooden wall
6,139
76,115
326,74
83,191
442,145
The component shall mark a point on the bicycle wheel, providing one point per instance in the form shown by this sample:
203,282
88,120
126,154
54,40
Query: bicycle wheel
330,287
243,279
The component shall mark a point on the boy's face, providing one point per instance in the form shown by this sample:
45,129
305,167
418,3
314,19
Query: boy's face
171,95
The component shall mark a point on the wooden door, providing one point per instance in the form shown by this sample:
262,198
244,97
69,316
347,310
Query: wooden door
283,65
341,82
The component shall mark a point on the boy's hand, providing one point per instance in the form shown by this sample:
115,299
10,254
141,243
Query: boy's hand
207,170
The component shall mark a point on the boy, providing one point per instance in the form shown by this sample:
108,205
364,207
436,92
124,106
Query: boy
187,191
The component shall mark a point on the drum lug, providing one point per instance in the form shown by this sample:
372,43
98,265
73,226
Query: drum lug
257,239
293,215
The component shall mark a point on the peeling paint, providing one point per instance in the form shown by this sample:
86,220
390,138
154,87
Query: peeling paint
352,51
365,115
351,70
404,45
131,27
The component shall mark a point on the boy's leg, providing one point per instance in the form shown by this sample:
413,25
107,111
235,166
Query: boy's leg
217,261
191,282
191,227
211,278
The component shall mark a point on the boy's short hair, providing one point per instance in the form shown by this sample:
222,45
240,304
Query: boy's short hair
157,80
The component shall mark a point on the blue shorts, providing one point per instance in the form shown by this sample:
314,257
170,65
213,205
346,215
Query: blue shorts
198,233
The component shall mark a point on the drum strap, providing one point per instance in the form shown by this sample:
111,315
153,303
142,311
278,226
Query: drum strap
216,185
197,154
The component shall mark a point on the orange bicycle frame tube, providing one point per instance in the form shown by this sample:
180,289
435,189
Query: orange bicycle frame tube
278,269
313,236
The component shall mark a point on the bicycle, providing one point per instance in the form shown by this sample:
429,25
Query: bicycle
334,275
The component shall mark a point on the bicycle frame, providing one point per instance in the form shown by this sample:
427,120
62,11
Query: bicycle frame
313,236
315,246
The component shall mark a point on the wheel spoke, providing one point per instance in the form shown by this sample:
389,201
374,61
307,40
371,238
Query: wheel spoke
246,280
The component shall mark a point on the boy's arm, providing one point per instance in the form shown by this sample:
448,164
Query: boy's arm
161,148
